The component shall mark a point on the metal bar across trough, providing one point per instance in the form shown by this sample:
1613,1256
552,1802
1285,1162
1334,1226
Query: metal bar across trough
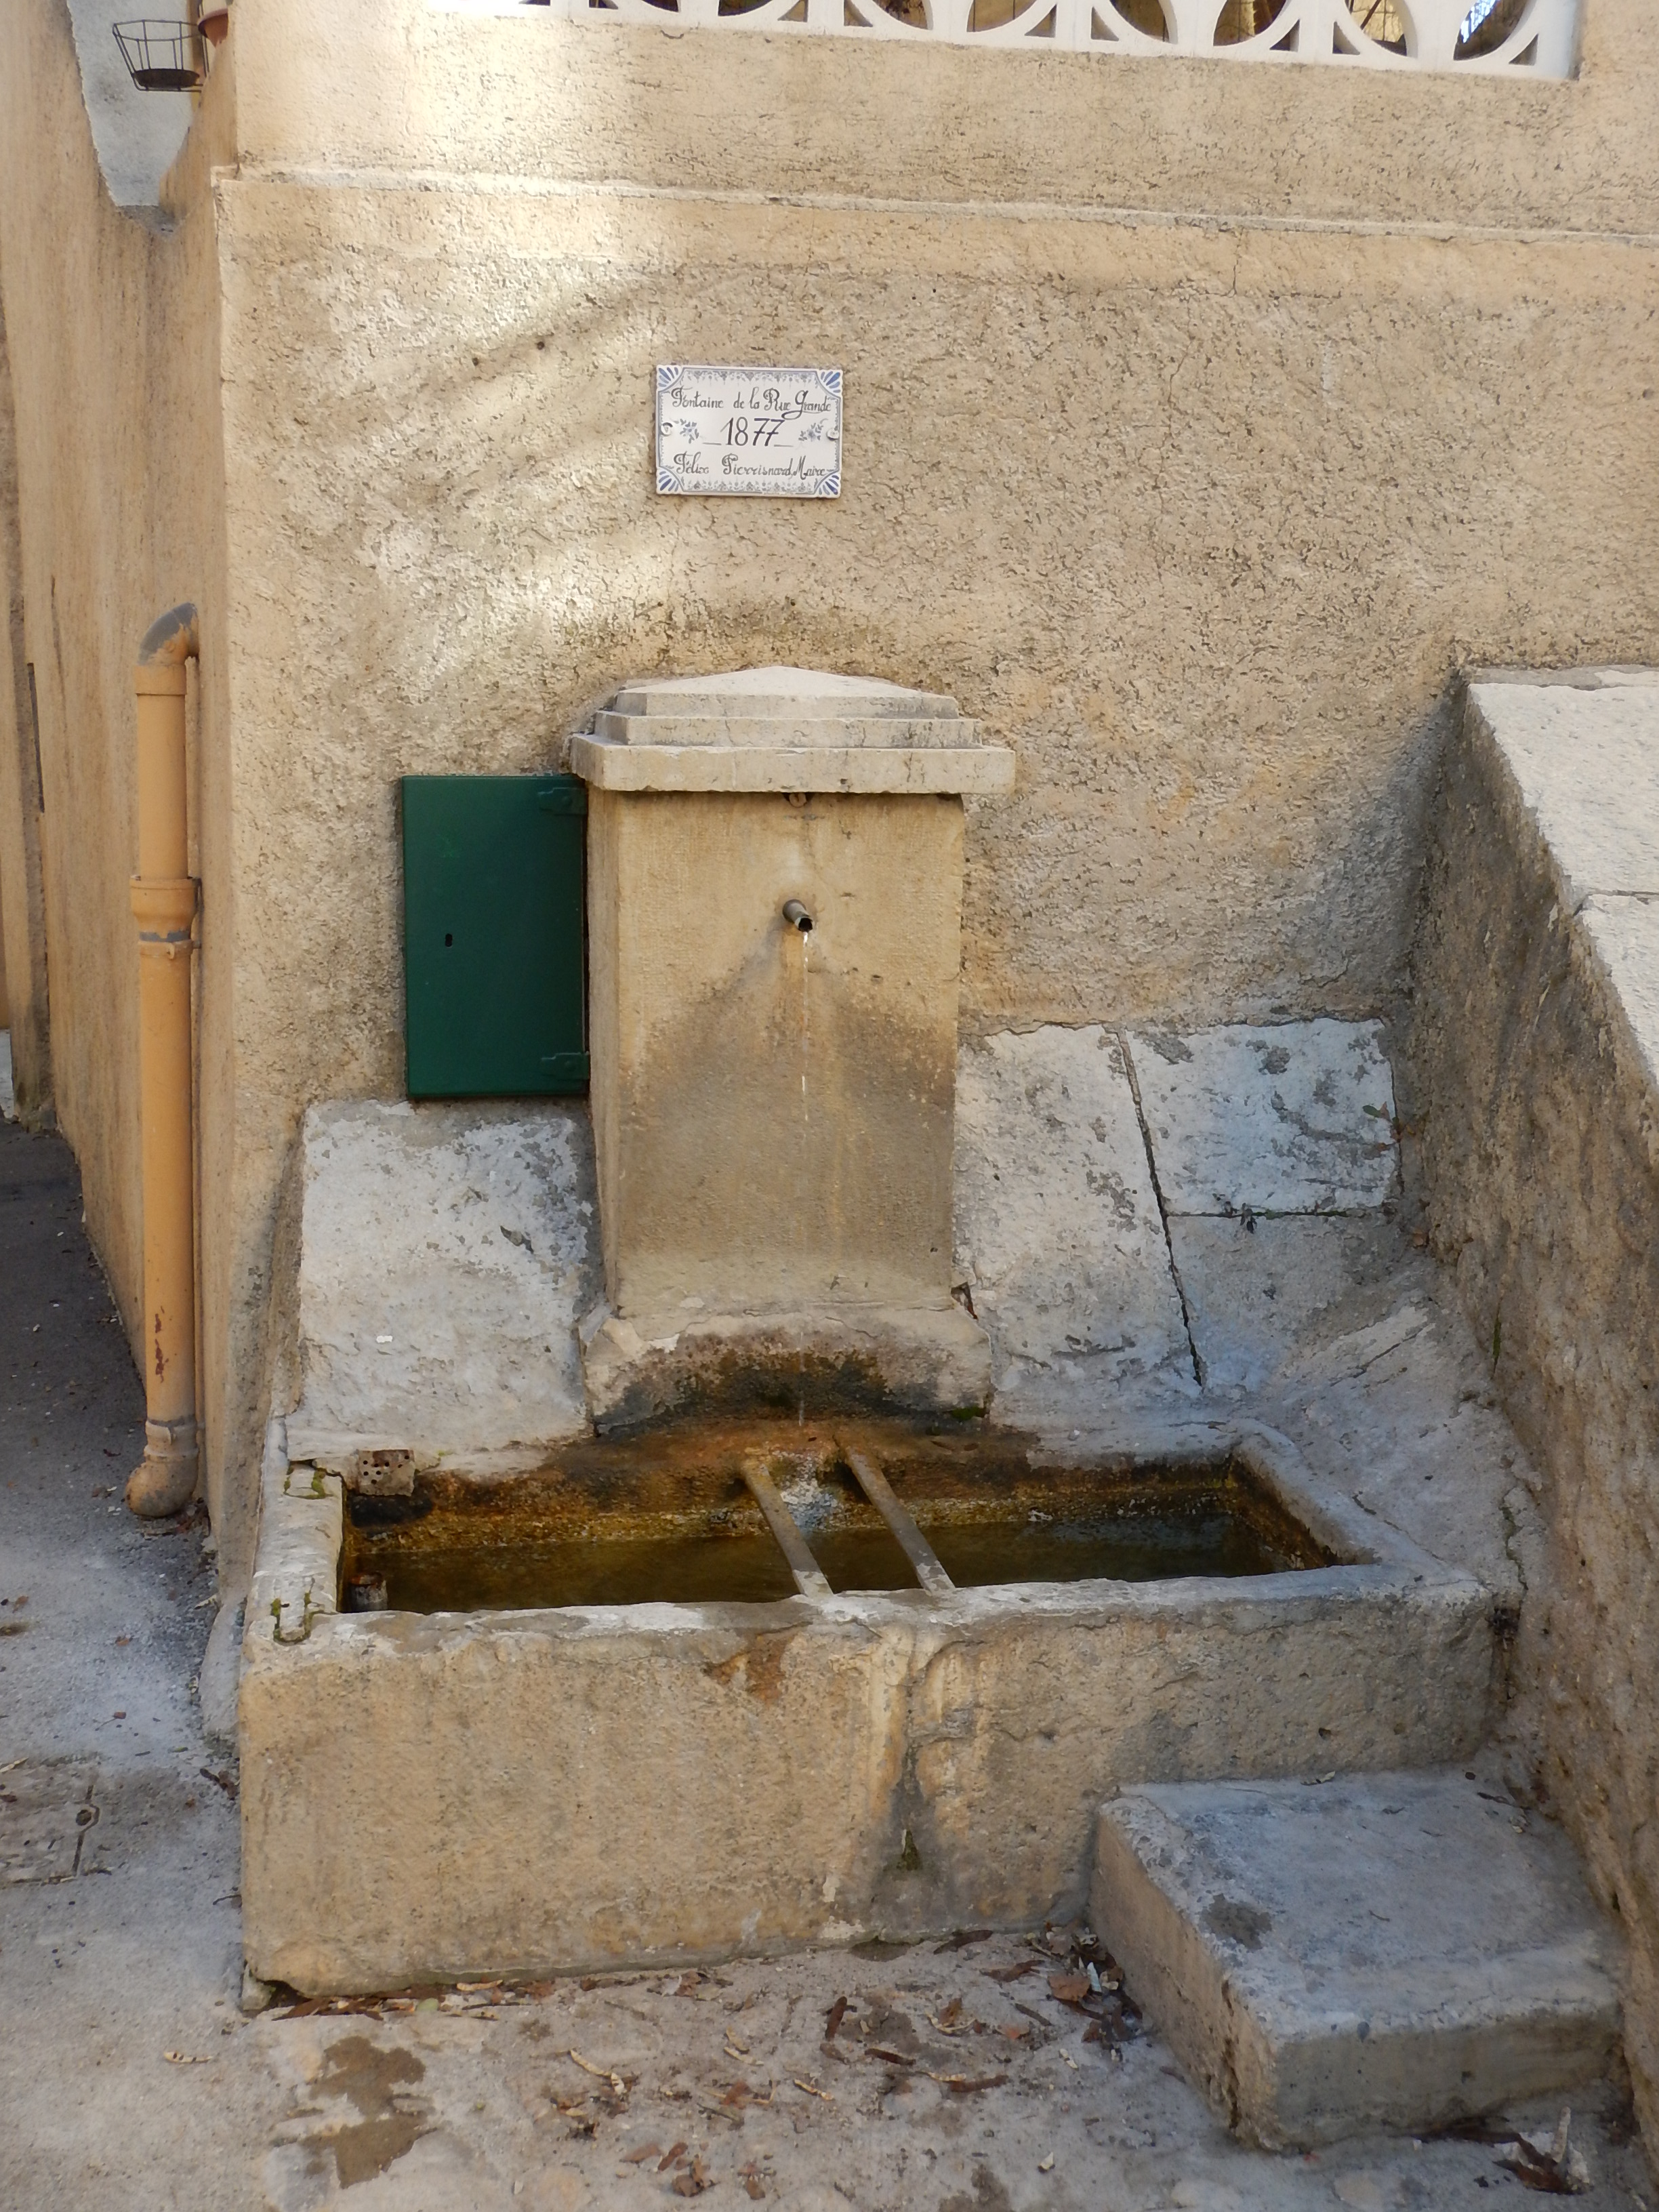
809,1579
915,1546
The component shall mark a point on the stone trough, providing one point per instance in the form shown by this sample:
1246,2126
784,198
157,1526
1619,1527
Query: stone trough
434,1796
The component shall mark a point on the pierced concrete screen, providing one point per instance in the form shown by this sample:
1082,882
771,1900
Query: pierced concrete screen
1522,38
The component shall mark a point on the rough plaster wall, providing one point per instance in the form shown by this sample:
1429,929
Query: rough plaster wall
1208,573
1540,1164
112,326
22,908
1201,575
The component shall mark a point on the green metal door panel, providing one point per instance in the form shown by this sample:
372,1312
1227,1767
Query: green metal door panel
492,922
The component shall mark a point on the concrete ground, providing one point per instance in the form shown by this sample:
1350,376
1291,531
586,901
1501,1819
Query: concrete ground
956,2079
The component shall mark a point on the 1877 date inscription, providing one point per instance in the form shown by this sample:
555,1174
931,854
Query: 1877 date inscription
749,433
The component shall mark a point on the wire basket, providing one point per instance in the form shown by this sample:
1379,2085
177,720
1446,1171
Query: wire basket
160,57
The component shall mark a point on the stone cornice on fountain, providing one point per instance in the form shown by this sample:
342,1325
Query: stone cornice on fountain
787,729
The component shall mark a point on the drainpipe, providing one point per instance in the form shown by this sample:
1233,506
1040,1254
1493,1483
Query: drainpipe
164,907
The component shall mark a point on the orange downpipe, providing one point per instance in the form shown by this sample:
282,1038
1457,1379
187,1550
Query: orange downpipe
164,907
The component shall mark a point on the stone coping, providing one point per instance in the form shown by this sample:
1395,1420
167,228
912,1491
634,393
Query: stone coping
975,771
808,697
786,729
1580,754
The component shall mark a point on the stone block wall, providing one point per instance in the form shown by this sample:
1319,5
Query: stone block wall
1532,1085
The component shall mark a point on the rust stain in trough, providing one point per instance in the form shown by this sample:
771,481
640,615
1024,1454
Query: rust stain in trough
666,1517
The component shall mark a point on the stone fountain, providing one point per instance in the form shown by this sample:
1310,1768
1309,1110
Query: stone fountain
774,899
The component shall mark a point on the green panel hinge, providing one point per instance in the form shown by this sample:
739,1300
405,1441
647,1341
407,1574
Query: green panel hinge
493,956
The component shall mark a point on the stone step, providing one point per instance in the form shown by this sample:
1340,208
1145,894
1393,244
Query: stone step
1378,1951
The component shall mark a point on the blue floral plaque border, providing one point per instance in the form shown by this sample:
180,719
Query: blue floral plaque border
732,432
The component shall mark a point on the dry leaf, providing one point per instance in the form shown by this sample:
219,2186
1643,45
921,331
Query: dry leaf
674,2151
1551,2166
619,2083
1069,1988
740,2094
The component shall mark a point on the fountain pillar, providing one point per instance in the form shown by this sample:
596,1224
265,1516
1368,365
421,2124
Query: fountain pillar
774,1096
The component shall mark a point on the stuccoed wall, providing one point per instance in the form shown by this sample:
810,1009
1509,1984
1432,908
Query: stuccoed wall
1201,418
23,1002
110,328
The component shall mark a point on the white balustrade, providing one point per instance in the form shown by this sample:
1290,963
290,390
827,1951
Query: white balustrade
1497,37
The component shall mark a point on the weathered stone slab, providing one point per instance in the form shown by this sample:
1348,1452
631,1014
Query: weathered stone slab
1533,1082
1392,1950
1256,1289
979,771
1057,1233
1585,756
447,1252
1624,932
776,706
1298,1118
1354,1344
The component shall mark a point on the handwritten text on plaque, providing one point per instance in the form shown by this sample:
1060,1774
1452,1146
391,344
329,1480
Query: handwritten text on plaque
754,433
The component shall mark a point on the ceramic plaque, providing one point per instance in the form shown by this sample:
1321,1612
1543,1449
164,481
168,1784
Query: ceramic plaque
749,433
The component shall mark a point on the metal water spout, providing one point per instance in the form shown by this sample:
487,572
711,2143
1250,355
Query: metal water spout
797,916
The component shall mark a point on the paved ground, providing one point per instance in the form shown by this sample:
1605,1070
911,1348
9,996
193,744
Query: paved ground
129,2078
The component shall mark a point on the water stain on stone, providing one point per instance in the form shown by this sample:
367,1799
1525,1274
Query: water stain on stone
371,2078
1236,1921
989,2195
